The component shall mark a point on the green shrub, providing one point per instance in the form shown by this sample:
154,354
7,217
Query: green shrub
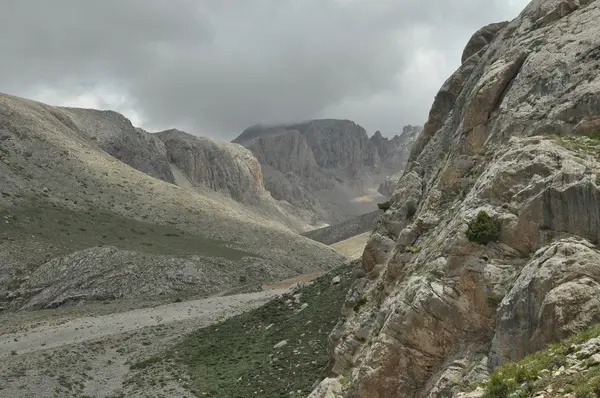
595,135
483,229
494,299
507,380
362,300
413,249
411,209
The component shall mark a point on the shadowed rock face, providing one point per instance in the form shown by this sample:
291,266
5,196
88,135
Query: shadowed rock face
333,144
436,309
115,134
323,166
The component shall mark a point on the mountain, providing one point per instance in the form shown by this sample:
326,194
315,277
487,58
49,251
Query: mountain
328,167
95,202
489,249
395,154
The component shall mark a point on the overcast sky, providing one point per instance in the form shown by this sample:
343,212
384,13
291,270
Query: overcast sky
214,67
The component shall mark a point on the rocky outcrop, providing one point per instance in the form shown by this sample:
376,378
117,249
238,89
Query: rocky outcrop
115,134
331,144
220,166
555,294
481,38
394,154
437,309
109,273
329,168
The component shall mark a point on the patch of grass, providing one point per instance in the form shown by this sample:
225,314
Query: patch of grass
66,230
593,136
588,143
237,358
536,372
414,249
483,229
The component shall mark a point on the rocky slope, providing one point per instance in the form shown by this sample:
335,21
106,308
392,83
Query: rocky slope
91,199
227,168
569,368
488,251
327,167
185,160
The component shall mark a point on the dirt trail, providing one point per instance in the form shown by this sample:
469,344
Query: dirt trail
211,310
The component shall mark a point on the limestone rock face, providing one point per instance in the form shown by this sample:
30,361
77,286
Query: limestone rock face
328,167
221,166
334,144
481,38
436,309
179,158
394,154
556,292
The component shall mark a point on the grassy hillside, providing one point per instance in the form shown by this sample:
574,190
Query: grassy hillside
278,350
569,368
63,230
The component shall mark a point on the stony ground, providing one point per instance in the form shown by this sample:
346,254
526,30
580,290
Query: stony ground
92,355
221,346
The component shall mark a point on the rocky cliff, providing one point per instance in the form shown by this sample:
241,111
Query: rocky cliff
394,154
328,167
220,166
489,250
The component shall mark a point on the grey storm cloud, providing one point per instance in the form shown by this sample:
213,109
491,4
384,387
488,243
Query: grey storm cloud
214,67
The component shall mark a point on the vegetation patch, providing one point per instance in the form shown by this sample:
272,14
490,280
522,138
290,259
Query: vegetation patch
588,143
558,367
277,350
63,231
483,229
411,210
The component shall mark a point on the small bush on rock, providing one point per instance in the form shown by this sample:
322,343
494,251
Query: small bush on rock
411,210
483,229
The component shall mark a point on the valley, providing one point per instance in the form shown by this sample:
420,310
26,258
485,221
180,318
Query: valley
309,258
